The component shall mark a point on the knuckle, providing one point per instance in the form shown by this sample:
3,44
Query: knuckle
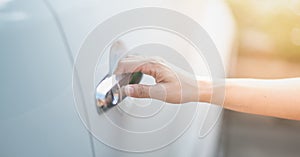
121,62
156,61
140,92
119,67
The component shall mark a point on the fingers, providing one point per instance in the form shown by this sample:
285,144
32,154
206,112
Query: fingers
146,91
133,63
137,91
130,64
152,66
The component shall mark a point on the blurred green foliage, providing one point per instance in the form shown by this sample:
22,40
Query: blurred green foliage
275,18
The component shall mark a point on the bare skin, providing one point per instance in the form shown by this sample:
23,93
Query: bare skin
277,98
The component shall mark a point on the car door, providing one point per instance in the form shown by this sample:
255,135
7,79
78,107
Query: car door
79,18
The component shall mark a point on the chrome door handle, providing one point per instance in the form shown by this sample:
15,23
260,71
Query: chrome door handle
109,91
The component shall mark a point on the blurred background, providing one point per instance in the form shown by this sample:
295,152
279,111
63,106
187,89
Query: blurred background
268,47
268,38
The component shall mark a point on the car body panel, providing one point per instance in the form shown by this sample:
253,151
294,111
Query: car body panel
37,113
78,24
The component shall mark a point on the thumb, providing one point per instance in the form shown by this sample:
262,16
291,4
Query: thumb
137,90
157,91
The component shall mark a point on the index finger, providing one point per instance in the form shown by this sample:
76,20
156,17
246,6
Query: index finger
134,63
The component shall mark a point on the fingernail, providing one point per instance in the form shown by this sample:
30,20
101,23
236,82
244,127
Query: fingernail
129,90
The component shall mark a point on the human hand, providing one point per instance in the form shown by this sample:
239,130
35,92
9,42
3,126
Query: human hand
173,84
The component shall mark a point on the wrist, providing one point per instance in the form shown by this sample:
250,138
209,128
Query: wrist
205,90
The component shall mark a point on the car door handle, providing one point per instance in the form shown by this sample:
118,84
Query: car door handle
109,91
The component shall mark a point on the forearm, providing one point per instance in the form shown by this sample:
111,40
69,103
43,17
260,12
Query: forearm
277,98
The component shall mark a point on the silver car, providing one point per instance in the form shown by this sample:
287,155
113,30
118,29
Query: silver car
39,42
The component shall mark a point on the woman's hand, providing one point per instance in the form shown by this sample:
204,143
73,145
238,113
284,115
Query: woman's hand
173,85
277,98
